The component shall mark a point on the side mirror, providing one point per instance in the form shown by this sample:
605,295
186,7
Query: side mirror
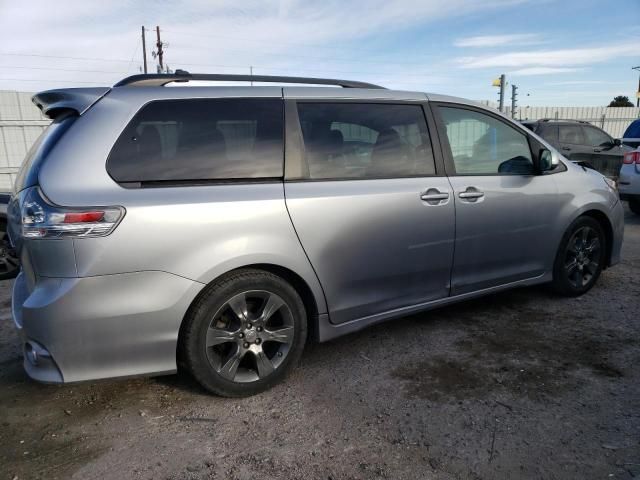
617,142
545,160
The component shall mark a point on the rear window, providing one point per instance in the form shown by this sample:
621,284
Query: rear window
631,136
571,134
201,139
633,131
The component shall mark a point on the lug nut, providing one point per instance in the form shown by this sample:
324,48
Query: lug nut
259,329
249,325
241,335
258,341
246,345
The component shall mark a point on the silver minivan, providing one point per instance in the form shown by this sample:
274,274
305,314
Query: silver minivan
219,228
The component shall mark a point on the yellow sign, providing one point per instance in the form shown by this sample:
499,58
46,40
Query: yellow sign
496,83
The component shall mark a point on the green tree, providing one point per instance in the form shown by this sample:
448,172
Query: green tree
621,101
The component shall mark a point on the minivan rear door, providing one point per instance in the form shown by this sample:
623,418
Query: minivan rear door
606,156
573,144
369,201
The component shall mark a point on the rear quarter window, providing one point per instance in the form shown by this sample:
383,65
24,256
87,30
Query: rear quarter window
201,139
39,151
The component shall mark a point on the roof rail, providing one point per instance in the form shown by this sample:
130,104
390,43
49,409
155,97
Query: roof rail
161,79
563,120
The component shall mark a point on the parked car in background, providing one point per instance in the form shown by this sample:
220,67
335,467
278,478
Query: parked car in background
582,142
629,180
631,137
218,227
9,263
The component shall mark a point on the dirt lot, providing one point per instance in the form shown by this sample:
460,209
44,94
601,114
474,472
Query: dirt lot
517,385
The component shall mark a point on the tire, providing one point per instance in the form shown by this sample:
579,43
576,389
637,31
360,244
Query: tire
244,333
634,205
580,258
9,264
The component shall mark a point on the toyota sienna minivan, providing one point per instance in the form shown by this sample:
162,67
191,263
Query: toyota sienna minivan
218,228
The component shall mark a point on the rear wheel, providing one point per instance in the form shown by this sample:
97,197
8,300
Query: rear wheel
634,205
244,334
580,258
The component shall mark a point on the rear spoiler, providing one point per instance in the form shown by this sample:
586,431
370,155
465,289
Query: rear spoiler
54,102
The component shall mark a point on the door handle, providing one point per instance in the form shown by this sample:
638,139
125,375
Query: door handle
433,196
597,150
471,195
566,148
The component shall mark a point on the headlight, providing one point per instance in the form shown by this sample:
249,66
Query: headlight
611,183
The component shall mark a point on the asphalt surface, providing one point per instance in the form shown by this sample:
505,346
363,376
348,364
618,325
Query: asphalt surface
522,384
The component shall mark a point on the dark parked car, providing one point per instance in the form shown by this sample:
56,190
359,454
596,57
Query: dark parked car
9,263
582,142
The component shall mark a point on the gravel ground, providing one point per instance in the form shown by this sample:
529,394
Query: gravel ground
521,384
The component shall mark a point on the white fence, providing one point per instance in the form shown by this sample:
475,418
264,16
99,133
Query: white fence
613,120
20,124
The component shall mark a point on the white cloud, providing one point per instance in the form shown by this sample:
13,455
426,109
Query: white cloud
542,71
560,58
516,39
582,82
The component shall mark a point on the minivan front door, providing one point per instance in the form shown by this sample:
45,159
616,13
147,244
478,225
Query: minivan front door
504,211
375,220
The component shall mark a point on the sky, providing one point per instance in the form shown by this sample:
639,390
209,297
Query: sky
558,52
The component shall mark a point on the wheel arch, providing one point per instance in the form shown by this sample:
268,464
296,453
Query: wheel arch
602,219
302,287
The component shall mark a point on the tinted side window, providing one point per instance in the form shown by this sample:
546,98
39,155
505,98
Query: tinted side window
596,138
571,134
549,132
352,140
483,145
201,139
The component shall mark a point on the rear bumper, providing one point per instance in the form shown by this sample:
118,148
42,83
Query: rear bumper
629,181
101,327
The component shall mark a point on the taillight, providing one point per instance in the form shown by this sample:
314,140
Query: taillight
41,219
631,157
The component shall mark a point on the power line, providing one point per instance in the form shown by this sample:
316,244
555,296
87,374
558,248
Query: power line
308,57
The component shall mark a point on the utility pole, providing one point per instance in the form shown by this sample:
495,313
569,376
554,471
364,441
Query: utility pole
160,52
503,82
638,92
514,103
144,50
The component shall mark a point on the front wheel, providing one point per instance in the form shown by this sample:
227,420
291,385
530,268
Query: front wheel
244,333
580,258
